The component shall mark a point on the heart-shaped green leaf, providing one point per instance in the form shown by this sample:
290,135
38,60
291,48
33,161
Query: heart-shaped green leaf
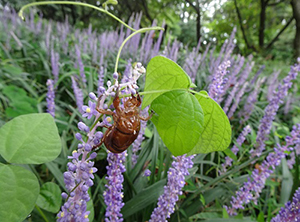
216,135
163,75
50,197
19,191
30,139
178,119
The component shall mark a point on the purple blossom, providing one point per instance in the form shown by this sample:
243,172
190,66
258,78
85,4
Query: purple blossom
78,94
250,102
50,98
166,202
90,110
232,79
100,80
272,84
230,97
218,81
113,194
271,110
78,179
251,189
237,100
55,65
240,140
291,211
292,159
147,173
80,64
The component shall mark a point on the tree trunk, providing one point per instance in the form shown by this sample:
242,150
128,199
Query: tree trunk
198,21
261,35
296,14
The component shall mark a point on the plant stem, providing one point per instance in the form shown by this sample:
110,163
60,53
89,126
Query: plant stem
42,213
73,3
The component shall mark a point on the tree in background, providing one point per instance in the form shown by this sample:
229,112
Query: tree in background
266,26
296,13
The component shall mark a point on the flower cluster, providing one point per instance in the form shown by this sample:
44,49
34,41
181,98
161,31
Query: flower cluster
55,65
271,110
218,81
256,182
78,94
113,194
167,201
251,100
291,211
240,140
78,178
50,98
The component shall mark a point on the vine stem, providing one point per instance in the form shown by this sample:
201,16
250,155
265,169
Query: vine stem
73,3
129,37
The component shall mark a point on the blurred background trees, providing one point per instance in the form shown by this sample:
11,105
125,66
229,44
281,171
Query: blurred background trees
268,28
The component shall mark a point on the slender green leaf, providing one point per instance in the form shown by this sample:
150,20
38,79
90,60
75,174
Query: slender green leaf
143,199
287,183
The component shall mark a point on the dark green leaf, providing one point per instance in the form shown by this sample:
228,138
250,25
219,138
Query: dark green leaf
30,139
50,197
143,199
178,119
19,191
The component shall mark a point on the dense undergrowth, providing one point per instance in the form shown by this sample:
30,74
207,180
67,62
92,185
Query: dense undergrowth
81,61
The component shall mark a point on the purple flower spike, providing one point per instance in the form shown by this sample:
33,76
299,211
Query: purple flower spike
77,180
166,202
80,64
90,110
271,110
113,194
291,211
240,140
218,81
78,94
251,189
50,98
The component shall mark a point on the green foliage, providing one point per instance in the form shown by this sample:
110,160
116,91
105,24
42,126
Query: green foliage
50,197
178,120
163,75
216,135
30,139
20,102
19,192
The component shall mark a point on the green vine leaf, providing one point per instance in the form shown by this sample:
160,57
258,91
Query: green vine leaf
178,119
30,139
163,75
216,135
19,191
